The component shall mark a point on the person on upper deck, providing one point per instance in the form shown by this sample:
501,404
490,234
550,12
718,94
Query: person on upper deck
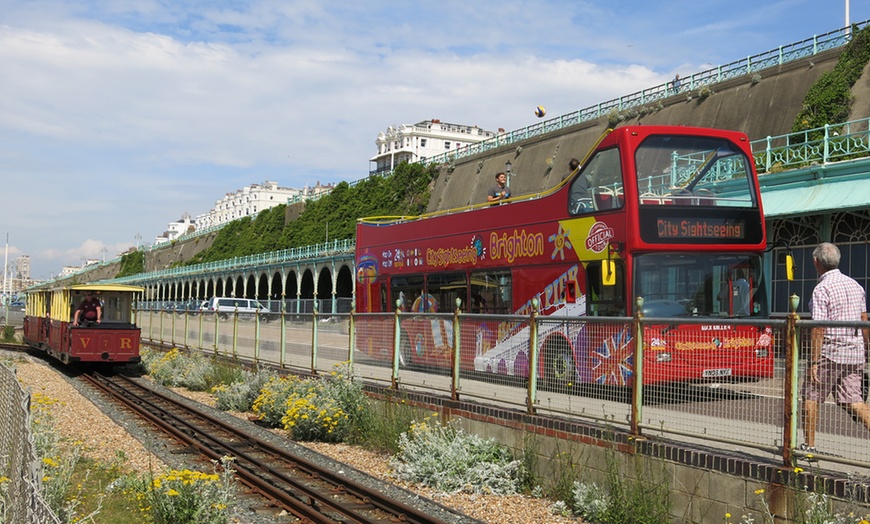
499,191
573,166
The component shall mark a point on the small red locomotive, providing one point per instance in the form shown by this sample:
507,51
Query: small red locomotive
83,322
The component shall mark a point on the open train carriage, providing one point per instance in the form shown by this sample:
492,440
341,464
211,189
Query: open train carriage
49,323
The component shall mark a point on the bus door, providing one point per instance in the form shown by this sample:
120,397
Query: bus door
605,300
602,351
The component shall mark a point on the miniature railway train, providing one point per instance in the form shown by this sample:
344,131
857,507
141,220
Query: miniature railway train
50,323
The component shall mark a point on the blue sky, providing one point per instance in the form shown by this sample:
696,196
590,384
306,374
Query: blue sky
118,117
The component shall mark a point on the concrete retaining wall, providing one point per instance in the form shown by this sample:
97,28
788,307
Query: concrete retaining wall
703,484
760,106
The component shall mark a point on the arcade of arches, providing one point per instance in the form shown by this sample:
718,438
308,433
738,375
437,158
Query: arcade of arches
328,285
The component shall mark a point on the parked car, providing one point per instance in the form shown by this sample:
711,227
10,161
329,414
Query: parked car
225,306
189,306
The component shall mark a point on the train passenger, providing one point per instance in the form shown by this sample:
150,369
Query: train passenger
90,310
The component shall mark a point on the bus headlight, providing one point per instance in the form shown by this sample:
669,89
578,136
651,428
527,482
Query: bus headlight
761,353
663,357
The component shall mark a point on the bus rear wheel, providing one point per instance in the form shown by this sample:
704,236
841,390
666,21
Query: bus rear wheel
558,364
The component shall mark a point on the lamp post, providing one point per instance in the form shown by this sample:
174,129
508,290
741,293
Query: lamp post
848,26
507,169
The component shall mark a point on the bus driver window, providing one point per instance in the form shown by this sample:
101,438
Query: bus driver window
599,186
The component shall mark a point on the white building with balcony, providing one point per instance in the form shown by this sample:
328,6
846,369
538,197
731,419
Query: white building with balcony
417,142
176,229
247,201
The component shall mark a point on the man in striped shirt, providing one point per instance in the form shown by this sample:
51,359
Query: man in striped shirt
838,354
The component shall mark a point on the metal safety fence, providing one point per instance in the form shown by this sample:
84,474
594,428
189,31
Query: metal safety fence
20,469
690,379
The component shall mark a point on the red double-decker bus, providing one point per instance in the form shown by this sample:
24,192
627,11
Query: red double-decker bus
670,214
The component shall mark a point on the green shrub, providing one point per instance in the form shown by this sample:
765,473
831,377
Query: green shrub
8,334
315,417
184,496
590,501
270,405
451,461
379,426
627,497
324,410
239,395
58,461
175,369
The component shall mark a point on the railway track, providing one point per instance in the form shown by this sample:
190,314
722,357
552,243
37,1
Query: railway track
7,346
305,489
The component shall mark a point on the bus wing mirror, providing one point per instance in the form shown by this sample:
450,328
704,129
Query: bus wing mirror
571,292
789,267
608,273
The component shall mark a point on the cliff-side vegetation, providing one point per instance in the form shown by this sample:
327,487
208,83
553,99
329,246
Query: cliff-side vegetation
829,100
132,263
331,217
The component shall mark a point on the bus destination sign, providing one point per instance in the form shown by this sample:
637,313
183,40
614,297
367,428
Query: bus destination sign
709,228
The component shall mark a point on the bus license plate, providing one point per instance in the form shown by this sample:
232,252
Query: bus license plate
722,372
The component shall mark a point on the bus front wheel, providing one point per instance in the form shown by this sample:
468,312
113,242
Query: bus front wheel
558,364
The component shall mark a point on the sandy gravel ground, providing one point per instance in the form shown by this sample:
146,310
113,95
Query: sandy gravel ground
79,419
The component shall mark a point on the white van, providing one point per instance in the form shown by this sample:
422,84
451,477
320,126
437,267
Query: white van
226,306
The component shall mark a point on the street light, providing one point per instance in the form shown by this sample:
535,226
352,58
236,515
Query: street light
507,169
848,26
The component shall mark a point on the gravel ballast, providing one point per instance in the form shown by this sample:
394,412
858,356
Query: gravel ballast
110,435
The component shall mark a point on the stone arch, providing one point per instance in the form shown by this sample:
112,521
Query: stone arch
325,302
306,287
263,287
324,284
251,287
291,285
344,289
276,288
344,283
